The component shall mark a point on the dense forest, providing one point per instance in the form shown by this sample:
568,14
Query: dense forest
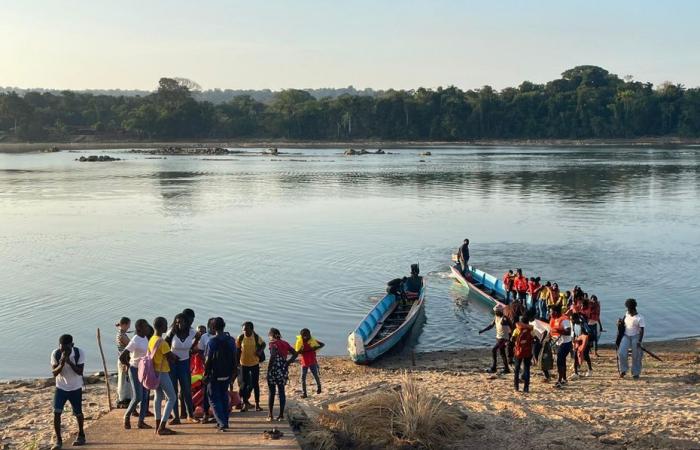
586,102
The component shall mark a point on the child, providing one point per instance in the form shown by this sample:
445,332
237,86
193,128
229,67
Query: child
277,371
307,346
503,330
123,387
67,364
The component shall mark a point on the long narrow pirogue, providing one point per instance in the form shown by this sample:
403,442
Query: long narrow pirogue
490,290
385,326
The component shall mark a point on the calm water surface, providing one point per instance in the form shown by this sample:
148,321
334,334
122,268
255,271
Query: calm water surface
309,239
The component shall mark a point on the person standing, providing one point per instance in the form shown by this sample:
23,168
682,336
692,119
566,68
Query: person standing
307,346
523,340
201,343
463,256
594,322
123,386
130,357
220,368
632,339
278,370
251,349
520,285
162,357
560,330
508,285
181,342
67,365
503,330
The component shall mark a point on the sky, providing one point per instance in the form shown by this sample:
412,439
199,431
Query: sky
380,44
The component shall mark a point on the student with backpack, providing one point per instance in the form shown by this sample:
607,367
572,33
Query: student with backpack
278,370
220,369
523,339
307,346
251,349
67,364
136,349
154,373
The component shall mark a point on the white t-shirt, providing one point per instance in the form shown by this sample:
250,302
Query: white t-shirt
564,339
138,347
68,380
502,329
203,341
181,348
633,324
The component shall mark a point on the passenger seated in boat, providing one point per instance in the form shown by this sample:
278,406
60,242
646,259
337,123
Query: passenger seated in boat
412,285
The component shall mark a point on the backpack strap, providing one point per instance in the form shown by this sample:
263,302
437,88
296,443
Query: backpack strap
152,353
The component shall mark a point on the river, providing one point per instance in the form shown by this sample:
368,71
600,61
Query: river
309,239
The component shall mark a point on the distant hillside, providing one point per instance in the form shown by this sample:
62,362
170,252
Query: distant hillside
216,96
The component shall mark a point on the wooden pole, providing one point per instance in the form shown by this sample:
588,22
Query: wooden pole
104,366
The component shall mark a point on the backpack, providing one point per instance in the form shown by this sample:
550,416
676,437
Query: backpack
259,350
149,378
222,360
76,351
523,344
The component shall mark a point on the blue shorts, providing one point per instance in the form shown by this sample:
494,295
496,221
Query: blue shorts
74,397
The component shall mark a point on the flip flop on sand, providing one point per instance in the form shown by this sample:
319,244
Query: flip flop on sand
272,434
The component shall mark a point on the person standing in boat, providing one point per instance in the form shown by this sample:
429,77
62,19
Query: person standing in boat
413,284
503,330
508,285
520,285
632,339
463,257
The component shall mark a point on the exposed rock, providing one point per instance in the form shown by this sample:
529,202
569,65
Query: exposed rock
380,152
96,158
426,154
187,151
51,150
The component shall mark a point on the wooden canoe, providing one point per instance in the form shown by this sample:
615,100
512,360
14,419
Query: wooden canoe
389,321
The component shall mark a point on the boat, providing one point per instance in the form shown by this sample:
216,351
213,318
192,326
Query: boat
490,290
389,321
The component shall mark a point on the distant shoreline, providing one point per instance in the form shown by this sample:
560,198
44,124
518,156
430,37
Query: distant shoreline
30,147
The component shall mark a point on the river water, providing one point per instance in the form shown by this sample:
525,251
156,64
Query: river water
309,239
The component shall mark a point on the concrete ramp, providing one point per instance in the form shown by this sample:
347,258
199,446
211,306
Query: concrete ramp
246,432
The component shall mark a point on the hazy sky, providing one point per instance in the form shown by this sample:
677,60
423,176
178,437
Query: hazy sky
380,44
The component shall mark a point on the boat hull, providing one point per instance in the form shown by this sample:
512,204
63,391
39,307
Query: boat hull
488,289
360,346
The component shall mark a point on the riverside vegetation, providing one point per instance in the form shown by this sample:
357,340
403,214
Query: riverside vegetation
587,102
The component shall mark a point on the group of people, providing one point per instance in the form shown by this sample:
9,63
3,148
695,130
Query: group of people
554,326
166,359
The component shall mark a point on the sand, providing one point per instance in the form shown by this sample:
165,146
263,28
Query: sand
661,410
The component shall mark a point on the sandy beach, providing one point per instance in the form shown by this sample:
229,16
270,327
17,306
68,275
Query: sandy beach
659,411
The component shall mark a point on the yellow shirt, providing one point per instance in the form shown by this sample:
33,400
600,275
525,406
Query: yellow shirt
248,350
160,362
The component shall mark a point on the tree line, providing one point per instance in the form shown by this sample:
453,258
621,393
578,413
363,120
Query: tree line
586,102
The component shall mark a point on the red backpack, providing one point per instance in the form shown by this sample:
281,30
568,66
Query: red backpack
523,344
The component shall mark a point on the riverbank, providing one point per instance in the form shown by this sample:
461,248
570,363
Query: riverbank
597,412
29,147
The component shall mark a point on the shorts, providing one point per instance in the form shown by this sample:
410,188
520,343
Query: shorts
74,397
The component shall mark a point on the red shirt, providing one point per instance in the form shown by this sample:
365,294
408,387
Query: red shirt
507,281
520,284
308,356
281,347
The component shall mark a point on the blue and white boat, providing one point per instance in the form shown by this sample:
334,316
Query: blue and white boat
385,326
490,290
